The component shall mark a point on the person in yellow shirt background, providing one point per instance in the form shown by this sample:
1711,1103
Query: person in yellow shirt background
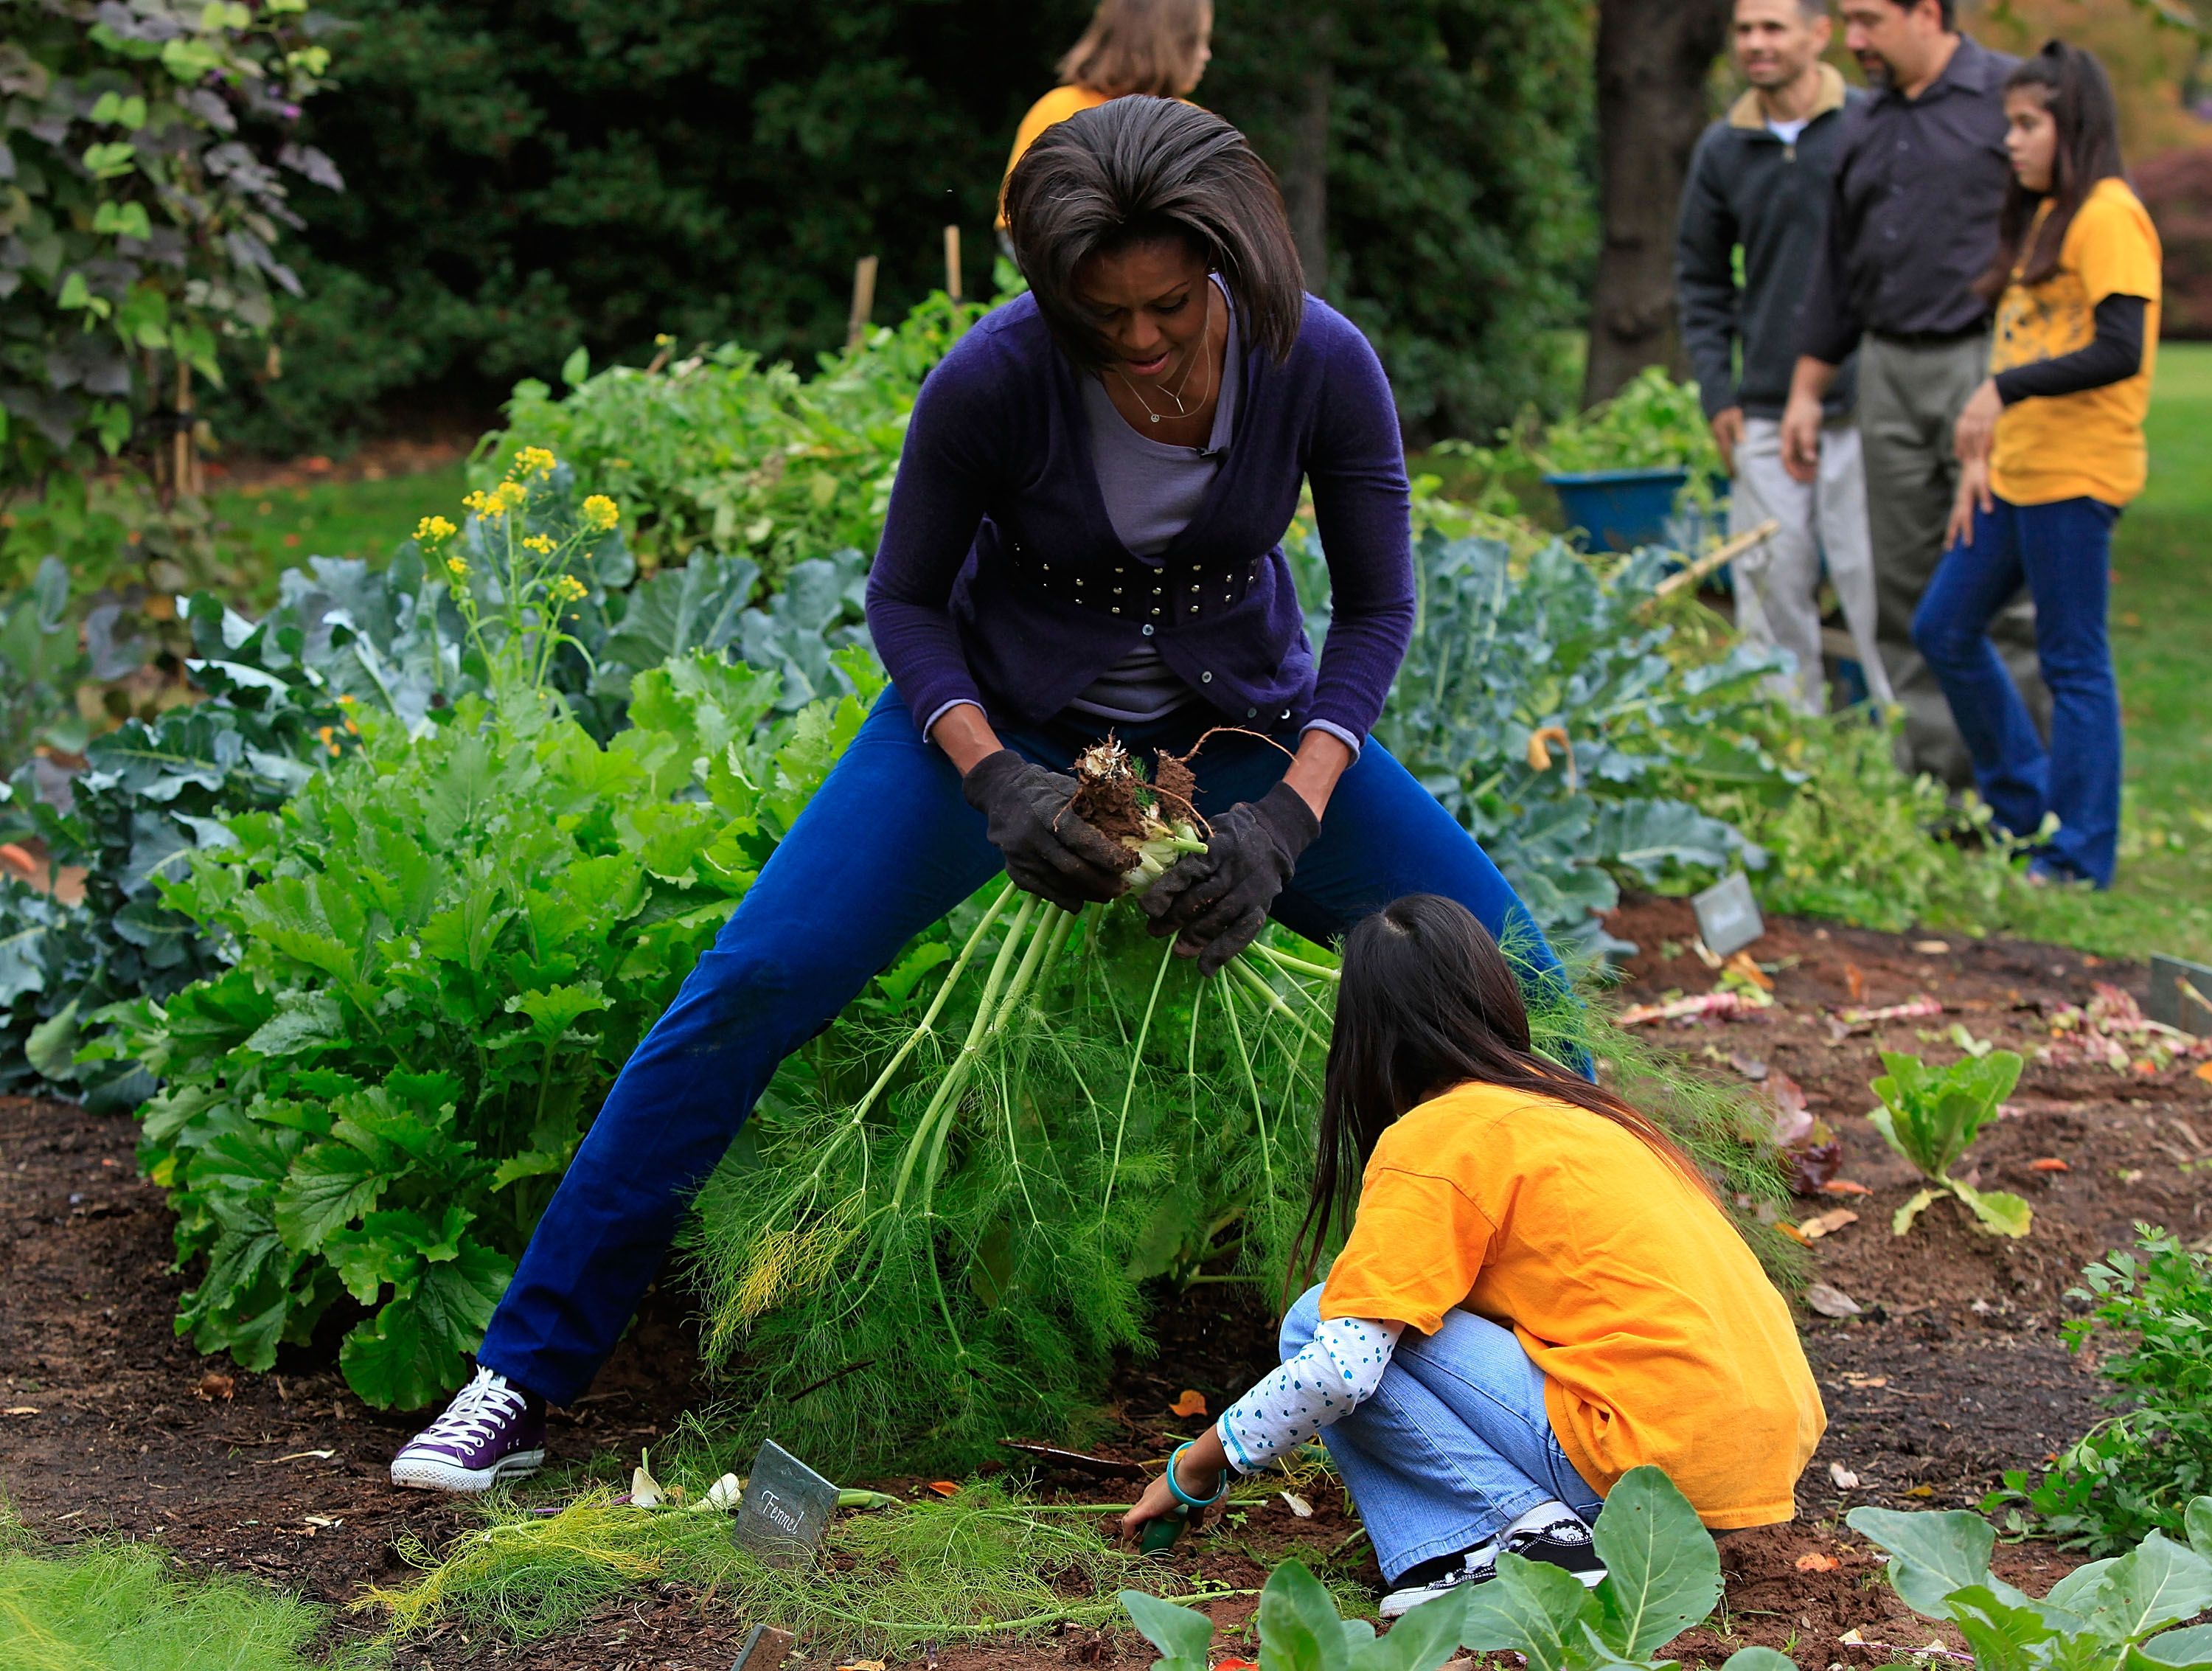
2051,448
1156,47
1538,1292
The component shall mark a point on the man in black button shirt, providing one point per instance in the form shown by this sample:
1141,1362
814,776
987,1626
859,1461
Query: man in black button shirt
1920,175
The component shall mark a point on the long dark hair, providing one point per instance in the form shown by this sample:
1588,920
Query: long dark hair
1137,169
1427,1002
2079,95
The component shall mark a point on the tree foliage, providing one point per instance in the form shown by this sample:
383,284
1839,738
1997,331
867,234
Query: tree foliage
526,177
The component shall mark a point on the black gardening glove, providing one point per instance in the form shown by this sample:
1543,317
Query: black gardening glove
1049,850
1217,901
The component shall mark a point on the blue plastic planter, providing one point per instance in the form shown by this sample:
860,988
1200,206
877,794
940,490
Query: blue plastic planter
1620,509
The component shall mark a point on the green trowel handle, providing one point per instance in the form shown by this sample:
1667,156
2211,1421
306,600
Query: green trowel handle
1160,1535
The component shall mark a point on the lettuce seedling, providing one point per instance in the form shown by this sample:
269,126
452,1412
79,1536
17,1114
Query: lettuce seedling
2110,1616
1930,1116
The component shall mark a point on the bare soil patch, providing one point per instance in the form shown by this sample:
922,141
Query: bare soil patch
1954,1371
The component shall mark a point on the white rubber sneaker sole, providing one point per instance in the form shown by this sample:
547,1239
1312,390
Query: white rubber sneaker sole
434,1474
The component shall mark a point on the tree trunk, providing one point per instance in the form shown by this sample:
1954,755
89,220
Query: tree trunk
1653,60
1306,174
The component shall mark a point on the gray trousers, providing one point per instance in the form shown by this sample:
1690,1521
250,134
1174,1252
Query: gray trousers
1909,399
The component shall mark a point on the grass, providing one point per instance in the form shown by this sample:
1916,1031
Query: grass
112,1606
283,526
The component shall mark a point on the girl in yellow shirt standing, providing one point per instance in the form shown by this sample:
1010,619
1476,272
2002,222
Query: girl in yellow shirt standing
2053,447
1156,46
1538,1292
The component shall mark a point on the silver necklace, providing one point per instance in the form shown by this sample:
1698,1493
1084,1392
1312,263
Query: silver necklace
1204,352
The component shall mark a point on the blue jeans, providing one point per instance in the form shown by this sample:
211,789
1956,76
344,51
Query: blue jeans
1454,1445
887,847
2063,552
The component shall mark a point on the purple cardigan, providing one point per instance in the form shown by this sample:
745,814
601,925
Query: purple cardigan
1000,580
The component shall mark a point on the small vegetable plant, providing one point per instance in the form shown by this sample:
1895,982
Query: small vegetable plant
1931,1117
1662,1577
2108,1615
2141,1469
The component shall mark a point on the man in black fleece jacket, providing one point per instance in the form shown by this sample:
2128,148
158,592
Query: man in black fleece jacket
1760,181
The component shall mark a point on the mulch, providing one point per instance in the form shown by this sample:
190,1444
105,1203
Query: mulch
1954,1371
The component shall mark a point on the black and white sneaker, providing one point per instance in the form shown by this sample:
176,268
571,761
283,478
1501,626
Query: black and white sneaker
1562,1541
1439,1576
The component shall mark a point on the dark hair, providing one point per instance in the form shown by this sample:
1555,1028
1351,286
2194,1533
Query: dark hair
1138,46
2079,96
1137,170
1947,9
1427,1002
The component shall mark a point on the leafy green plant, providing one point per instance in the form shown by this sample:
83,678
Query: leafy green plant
1653,423
142,203
1930,1116
1300,1630
1539,704
2141,1469
2109,1614
447,946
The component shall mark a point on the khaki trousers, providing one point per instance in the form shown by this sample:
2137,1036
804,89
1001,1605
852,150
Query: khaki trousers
1908,397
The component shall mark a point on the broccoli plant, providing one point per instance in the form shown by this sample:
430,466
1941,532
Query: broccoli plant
1931,1117
2110,1616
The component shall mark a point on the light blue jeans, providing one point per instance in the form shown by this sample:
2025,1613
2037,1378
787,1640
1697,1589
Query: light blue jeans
1454,1445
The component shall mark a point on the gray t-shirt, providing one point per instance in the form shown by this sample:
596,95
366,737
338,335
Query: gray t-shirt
1152,491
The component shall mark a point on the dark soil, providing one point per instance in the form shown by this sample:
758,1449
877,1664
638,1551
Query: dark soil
1953,1371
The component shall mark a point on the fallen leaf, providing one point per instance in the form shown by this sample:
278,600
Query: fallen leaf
862,1665
18,859
305,1455
1830,1302
1826,1224
1793,1121
1865,1380
1813,1561
214,1384
1253,1665
1192,1403
1750,1066
1932,948
2050,1163
23,1410
321,1520
1854,982
1844,1187
1298,1506
2204,1071
1852,1638
724,1494
1843,1476
945,1488
1793,1232
1743,965
1922,1490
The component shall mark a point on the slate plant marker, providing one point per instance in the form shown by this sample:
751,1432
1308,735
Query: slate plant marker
786,1509
766,1647
1728,916
2191,1009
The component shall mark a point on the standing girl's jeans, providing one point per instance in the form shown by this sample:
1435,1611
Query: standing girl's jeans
2063,552
1454,1445
886,846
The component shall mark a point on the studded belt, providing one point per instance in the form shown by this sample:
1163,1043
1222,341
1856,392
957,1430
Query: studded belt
1175,593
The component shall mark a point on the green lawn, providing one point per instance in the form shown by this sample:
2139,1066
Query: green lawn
286,525
2162,646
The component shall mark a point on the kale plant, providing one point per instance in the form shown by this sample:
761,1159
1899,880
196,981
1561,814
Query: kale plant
1930,1116
2110,1614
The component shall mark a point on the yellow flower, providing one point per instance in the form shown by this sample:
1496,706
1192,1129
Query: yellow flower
475,502
531,461
456,568
568,589
600,512
435,530
538,542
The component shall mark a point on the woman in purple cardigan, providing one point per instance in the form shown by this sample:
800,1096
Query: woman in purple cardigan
1085,537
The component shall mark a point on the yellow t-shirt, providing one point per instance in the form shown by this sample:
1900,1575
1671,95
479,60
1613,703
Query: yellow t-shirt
1660,1338
2088,445
1056,106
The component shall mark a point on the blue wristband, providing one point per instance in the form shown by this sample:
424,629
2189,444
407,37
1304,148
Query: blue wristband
1220,1490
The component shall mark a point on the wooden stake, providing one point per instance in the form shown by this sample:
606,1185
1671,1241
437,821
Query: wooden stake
864,301
952,262
181,467
1714,558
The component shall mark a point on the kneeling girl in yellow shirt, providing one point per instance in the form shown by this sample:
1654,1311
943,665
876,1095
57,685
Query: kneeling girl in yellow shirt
1538,1292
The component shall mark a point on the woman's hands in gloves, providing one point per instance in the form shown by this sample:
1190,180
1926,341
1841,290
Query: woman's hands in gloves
1049,850
1215,901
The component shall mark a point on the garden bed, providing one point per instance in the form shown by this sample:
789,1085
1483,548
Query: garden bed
1953,1371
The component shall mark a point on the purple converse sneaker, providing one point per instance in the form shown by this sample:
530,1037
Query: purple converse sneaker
492,1431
